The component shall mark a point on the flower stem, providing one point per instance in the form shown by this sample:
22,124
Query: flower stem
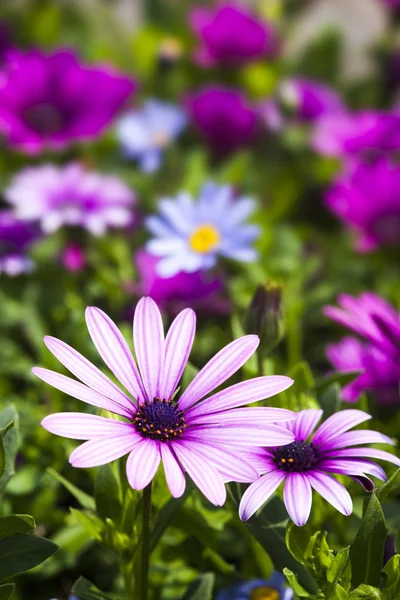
144,567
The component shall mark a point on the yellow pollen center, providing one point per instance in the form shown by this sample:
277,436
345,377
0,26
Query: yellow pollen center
264,593
204,239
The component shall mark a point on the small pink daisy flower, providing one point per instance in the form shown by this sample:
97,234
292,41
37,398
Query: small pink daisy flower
212,440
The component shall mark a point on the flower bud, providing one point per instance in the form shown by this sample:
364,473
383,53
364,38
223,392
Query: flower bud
264,315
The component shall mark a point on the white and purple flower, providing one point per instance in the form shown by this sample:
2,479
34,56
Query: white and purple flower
213,440
191,234
145,134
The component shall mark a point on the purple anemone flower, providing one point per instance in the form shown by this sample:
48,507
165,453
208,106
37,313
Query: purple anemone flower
310,99
225,118
197,290
49,101
16,238
231,35
340,134
376,355
366,197
307,463
212,440
69,195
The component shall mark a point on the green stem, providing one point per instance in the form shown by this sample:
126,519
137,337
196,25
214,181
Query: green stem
145,554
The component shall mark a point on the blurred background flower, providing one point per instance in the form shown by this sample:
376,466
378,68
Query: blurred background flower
274,588
16,238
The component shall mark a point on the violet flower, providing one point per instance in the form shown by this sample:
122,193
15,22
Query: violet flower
212,440
310,99
231,35
55,196
274,588
16,238
307,463
50,101
224,117
367,199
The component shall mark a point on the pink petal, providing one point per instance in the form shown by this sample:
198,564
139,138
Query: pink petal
225,461
333,491
255,414
86,372
204,475
339,423
368,453
81,392
80,426
352,467
102,451
245,392
173,472
258,493
236,435
178,345
219,369
305,423
114,350
353,438
142,463
148,336
297,495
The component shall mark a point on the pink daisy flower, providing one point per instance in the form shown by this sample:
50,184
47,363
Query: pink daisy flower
307,463
213,440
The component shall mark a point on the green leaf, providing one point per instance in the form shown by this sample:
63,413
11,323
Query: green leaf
341,378
108,493
366,552
303,378
23,552
295,585
90,522
8,445
16,524
338,565
365,592
391,573
166,513
201,588
6,591
86,590
329,399
390,487
297,540
336,592
318,553
83,498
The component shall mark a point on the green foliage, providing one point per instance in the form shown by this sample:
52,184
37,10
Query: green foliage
85,590
8,445
20,553
201,588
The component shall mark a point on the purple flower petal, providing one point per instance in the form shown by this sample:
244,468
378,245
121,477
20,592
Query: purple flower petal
219,369
365,481
178,345
353,438
79,426
148,336
353,467
174,475
338,424
204,475
333,491
142,463
367,453
263,415
298,497
305,423
258,493
271,435
86,372
245,392
81,392
114,350
102,451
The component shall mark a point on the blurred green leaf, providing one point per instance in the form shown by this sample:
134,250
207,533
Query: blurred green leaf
329,399
397,541
391,573
3,432
8,445
90,522
108,493
23,552
166,513
341,378
16,524
83,498
366,552
391,486
6,591
295,585
86,590
201,588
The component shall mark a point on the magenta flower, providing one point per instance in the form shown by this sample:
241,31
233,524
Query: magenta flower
49,101
73,258
230,35
377,355
307,463
16,238
210,440
56,196
310,99
367,198
197,290
224,117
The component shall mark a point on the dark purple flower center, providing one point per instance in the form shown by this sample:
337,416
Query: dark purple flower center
44,118
297,456
160,420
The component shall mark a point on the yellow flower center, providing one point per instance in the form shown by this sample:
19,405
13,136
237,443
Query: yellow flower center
264,593
204,238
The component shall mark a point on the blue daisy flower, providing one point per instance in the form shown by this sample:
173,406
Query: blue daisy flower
258,589
191,234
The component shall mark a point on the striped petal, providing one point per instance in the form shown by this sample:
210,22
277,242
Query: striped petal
148,336
339,423
114,350
353,438
174,475
235,435
368,453
333,491
258,493
102,451
142,463
256,414
297,495
305,423
353,467
178,345
80,426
